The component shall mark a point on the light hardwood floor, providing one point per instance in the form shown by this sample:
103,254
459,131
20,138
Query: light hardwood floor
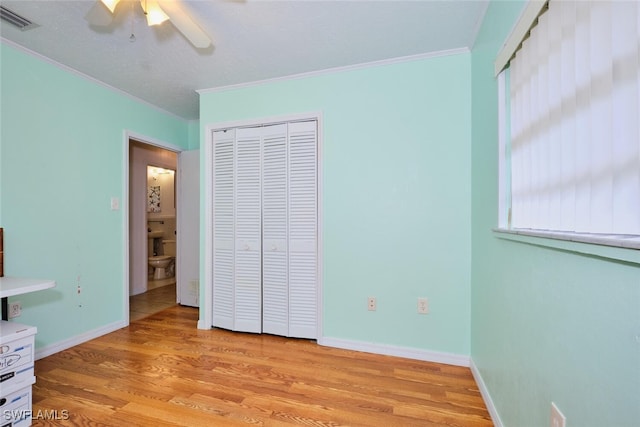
162,371
159,296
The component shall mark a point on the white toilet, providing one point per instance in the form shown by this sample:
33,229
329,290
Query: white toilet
160,264
164,265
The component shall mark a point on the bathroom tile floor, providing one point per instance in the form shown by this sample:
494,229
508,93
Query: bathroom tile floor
156,299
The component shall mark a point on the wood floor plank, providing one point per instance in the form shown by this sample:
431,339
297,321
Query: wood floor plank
162,371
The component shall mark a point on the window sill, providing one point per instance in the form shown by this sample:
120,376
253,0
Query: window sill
612,247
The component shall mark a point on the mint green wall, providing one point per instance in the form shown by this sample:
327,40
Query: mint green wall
62,160
397,188
546,325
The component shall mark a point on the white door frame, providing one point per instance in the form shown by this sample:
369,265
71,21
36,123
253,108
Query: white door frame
127,136
188,237
206,302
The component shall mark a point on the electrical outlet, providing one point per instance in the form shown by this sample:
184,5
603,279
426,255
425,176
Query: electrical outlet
15,309
371,303
423,306
557,419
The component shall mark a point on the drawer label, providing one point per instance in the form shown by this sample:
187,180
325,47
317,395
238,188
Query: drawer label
7,376
9,360
21,355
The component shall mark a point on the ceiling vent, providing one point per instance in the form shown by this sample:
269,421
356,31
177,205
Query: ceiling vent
13,18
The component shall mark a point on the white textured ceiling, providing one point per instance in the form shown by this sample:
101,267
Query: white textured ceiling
253,41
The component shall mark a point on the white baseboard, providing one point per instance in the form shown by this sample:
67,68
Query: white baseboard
484,391
50,349
392,350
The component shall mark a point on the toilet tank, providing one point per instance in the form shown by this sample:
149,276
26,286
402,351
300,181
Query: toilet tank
169,247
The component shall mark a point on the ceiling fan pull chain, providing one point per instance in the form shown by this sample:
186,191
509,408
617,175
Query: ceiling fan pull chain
132,37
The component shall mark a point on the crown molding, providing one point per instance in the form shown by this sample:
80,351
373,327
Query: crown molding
328,71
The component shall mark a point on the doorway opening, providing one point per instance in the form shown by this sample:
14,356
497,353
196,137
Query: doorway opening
152,228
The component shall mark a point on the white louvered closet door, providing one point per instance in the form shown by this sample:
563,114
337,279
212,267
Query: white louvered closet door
248,227
303,224
265,229
275,292
223,229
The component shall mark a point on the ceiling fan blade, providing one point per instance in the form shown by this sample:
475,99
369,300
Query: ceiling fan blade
183,22
99,15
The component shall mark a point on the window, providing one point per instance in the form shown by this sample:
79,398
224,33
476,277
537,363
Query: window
570,122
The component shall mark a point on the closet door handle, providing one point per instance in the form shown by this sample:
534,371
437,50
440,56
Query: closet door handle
246,247
274,248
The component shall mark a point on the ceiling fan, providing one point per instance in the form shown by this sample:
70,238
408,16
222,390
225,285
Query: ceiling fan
156,12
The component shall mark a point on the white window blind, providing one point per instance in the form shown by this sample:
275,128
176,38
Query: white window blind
574,114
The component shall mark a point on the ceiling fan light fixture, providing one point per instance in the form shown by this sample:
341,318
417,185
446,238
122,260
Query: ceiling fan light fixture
155,15
111,4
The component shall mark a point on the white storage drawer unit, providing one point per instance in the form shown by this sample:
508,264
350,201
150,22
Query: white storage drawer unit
16,372
16,356
16,408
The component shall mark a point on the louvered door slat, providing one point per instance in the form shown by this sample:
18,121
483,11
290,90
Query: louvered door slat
302,229
248,224
223,229
275,295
